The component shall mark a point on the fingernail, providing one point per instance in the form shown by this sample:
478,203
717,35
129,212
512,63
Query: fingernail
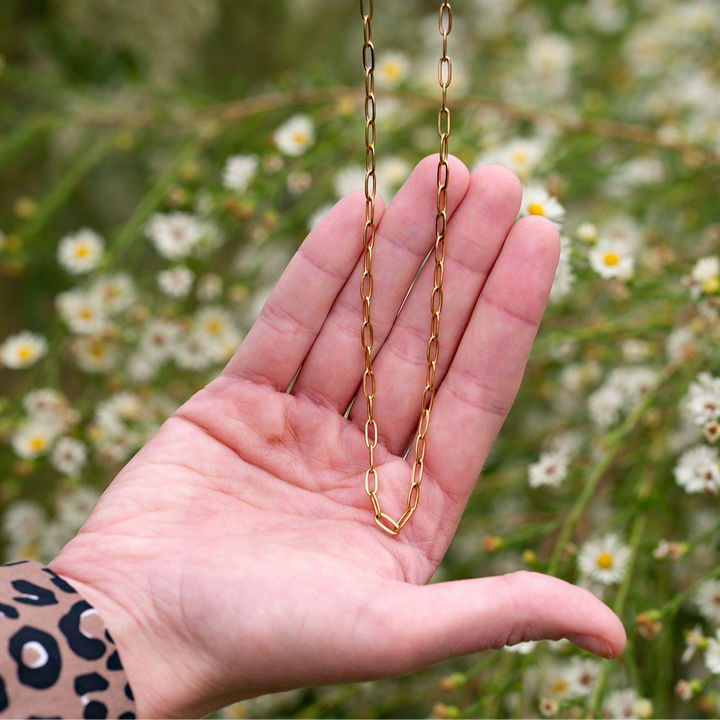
595,645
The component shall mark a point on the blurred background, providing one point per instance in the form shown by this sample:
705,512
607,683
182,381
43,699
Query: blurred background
160,162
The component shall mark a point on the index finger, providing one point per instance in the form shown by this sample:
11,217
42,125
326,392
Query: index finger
296,310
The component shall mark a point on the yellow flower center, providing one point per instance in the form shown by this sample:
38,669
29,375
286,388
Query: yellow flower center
559,686
25,352
97,350
711,285
37,443
237,712
86,313
391,70
520,157
536,209
214,327
299,137
81,251
611,259
604,560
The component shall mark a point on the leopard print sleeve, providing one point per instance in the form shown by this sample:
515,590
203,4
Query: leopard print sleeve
57,659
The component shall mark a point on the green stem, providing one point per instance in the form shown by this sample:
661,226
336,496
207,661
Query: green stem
592,331
680,598
14,142
618,606
64,187
700,539
152,199
614,445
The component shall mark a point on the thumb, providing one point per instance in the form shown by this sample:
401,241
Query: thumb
457,618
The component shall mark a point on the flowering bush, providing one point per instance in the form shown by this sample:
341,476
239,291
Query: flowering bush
144,228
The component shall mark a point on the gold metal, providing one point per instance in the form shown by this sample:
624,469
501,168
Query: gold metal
385,522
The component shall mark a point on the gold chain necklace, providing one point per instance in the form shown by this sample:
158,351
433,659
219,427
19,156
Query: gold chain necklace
393,527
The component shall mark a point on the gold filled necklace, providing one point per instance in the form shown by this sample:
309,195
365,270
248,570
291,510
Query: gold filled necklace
393,527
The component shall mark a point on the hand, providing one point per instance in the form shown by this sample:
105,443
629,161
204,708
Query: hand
237,554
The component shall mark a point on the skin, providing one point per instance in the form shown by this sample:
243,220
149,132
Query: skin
237,554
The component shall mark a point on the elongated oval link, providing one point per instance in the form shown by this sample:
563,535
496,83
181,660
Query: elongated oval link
391,528
384,521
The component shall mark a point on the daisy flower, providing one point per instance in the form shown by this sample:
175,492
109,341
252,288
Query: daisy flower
33,440
697,470
632,383
582,674
159,339
391,69
587,232
94,354
612,259
712,654
81,252
705,277
391,173
213,321
295,135
68,456
521,155
239,171
712,431
550,469
605,406
141,368
550,55
111,414
209,287
604,560
192,353
81,312
175,235
176,282
621,704
348,179
537,201
23,521
694,640
522,648
115,292
298,183
702,401
708,600
44,402
22,350
556,681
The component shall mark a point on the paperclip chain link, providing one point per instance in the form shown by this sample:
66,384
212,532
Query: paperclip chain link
393,527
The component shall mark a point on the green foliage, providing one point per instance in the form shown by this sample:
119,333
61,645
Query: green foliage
116,115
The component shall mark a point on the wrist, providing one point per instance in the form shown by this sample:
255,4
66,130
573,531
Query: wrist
150,649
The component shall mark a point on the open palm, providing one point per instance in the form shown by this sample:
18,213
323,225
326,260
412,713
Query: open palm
236,554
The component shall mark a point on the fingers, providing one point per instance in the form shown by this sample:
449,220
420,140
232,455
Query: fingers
450,619
474,239
481,384
295,312
333,369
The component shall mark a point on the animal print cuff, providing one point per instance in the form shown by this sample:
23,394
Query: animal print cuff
61,661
